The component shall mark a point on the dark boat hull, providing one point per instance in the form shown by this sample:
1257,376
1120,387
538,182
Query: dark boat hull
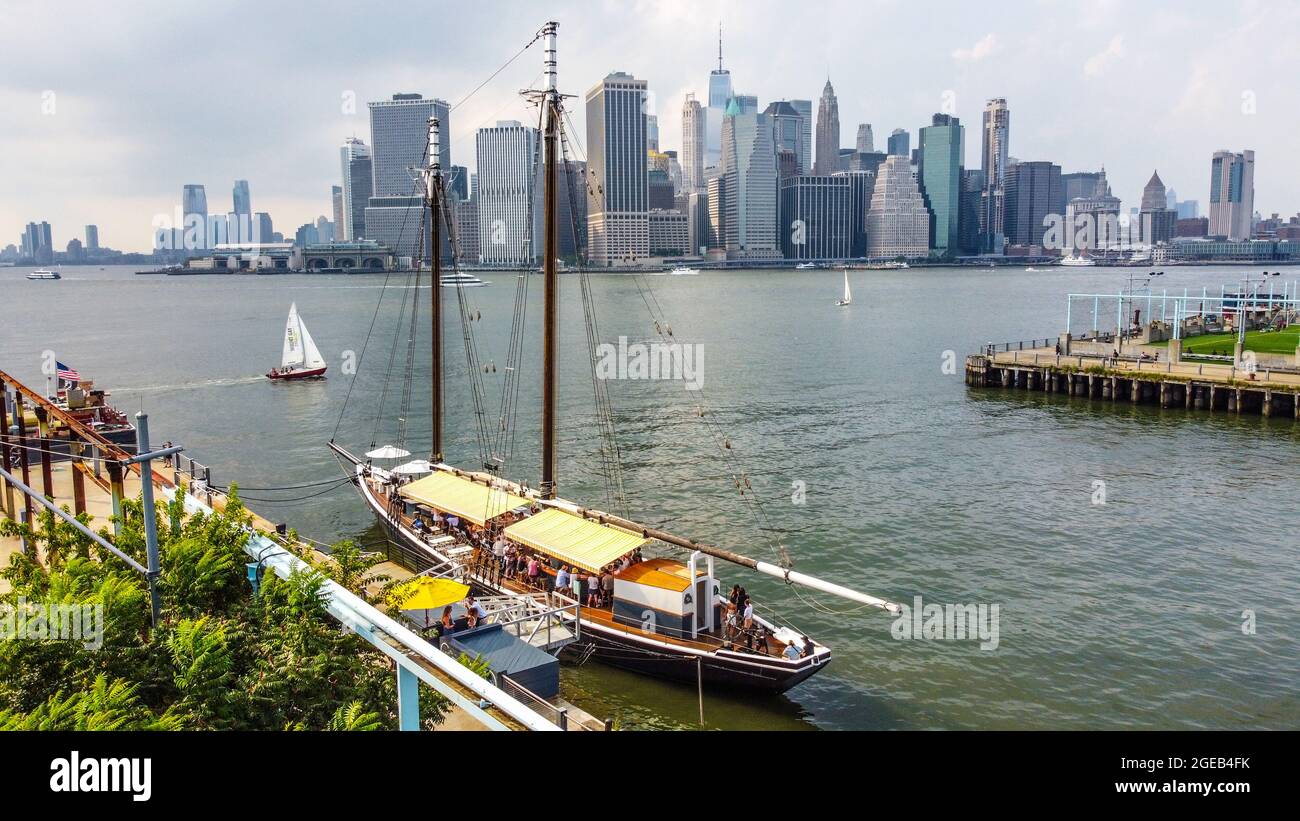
314,373
636,651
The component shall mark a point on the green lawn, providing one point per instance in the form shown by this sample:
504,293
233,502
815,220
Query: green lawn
1282,342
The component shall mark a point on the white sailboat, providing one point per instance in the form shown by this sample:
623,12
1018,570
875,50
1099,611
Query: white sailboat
848,295
301,358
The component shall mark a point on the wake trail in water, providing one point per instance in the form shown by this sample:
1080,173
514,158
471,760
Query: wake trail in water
189,386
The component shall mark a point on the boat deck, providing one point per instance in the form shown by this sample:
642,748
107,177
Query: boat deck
484,567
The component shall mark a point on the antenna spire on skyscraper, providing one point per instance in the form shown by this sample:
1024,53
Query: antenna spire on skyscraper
719,45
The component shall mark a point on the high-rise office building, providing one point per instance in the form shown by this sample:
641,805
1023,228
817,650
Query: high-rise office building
816,217
1032,191
828,133
336,207
1232,194
898,224
241,224
38,243
749,163
651,132
465,219
942,152
694,129
866,143
862,184
972,197
720,93
399,138
92,237
996,132
787,131
196,233
263,230
509,230
717,205
618,228
805,112
358,186
1082,184
900,143
1157,220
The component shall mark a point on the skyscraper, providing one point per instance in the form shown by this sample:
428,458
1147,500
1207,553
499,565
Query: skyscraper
92,237
972,194
942,153
720,92
1232,194
898,224
241,227
828,133
509,229
651,132
358,182
787,130
399,136
997,123
693,144
1032,191
749,165
618,228
37,243
866,143
816,217
1157,220
900,143
804,109
195,232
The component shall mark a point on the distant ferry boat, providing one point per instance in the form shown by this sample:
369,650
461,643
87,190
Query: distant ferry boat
683,271
805,266
1076,261
462,280
42,273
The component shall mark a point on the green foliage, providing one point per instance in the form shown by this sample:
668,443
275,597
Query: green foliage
351,567
220,659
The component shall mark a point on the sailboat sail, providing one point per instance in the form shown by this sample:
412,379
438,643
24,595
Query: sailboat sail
311,354
848,296
293,348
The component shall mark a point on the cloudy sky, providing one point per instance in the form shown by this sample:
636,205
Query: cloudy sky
106,111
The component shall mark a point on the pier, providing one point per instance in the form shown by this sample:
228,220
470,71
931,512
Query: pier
1237,352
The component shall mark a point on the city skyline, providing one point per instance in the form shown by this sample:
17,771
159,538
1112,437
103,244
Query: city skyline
100,106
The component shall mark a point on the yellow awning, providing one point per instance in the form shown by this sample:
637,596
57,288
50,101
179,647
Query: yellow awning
573,539
472,501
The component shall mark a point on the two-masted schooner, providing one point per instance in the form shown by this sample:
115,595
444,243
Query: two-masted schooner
653,614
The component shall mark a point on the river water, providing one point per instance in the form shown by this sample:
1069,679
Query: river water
878,468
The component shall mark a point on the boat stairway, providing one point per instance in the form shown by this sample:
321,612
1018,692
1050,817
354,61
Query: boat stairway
540,619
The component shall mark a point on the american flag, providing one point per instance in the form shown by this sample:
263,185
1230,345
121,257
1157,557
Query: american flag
67,374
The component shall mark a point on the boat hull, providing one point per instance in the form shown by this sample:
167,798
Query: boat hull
314,373
633,650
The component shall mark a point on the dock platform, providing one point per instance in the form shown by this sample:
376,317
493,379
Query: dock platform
1138,380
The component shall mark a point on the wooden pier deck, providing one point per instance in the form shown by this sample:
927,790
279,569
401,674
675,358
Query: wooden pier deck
1190,385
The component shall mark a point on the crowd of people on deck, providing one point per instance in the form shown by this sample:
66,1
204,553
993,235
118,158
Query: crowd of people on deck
538,571
741,630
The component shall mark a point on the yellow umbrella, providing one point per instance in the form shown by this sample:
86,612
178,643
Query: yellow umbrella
424,593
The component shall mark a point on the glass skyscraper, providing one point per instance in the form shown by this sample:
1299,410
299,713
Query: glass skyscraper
942,147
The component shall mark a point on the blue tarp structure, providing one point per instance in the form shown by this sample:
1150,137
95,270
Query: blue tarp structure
527,666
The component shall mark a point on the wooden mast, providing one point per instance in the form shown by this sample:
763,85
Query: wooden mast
433,192
550,367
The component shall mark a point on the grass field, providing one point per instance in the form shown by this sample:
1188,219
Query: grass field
1280,342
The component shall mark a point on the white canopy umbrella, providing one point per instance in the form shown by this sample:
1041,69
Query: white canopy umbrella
388,452
414,467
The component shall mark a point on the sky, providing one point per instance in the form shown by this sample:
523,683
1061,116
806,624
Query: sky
107,110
